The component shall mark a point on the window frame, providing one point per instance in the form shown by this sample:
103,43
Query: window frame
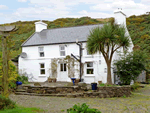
89,68
60,50
63,67
42,69
105,70
41,51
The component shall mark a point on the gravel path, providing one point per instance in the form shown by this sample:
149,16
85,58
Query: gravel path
139,102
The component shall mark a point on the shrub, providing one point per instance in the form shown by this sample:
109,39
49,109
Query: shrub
22,79
130,66
135,86
6,103
82,109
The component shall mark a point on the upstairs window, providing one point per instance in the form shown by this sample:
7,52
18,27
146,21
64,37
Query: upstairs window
42,68
41,51
62,50
90,69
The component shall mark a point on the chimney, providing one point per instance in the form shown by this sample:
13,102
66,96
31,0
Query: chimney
120,17
39,26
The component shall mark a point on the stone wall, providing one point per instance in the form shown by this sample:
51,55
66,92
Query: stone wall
76,91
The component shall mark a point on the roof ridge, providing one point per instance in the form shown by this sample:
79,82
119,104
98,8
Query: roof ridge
71,26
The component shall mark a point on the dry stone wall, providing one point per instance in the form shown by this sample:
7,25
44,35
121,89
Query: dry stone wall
76,91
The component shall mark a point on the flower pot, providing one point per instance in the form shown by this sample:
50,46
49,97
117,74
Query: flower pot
94,86
73,80
49,80
19,83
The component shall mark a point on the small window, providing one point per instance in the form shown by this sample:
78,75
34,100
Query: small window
41,51
105,70
42,68
62,50
88,53
63,67
90,69
99,61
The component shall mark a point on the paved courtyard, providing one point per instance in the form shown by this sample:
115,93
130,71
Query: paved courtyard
139,102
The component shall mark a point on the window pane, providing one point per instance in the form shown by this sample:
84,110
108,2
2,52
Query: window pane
61,67
64,67
105,70
41,54
62,53
62,47
42,65
42,71
41,49
90,64
90,71
88,53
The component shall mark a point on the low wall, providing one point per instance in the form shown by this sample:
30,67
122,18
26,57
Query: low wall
75,91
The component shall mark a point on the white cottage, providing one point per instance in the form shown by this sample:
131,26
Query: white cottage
44,52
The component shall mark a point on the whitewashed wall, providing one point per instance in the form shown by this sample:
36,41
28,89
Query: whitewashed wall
31,64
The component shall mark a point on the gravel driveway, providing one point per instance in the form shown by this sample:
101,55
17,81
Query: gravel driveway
139,102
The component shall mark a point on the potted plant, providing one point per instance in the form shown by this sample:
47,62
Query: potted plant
19,80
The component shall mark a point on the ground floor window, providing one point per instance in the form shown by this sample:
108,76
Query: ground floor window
105,70
63,67
89,68
42,68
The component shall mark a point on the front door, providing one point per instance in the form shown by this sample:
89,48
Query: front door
63,76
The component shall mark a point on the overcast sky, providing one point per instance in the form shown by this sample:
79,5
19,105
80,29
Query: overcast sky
28,10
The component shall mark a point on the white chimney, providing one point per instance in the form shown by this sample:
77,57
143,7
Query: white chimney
39,26
120,17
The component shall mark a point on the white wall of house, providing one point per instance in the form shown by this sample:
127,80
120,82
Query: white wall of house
31,64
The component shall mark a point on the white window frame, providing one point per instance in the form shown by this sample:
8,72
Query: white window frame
62,50
41,51
63,69
89,68
42,68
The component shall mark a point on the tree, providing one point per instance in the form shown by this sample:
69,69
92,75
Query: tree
130,66
107,40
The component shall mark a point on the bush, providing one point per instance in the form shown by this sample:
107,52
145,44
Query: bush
130,66
82,109
22,79
135,86
6,103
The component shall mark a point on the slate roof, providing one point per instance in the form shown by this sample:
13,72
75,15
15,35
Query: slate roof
60,35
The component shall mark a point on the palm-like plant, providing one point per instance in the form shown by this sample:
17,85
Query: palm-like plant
107,40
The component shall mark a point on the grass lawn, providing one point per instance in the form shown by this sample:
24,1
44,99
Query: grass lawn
23,110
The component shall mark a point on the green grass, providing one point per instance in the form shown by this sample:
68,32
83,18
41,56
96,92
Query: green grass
23,110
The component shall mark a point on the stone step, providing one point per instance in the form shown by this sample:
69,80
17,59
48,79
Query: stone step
20,90
35,94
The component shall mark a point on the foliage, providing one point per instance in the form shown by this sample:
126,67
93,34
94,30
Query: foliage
6,103
135,86
22,79
107,40
22,110
106,85
139,29
130,66
11,72
82,109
